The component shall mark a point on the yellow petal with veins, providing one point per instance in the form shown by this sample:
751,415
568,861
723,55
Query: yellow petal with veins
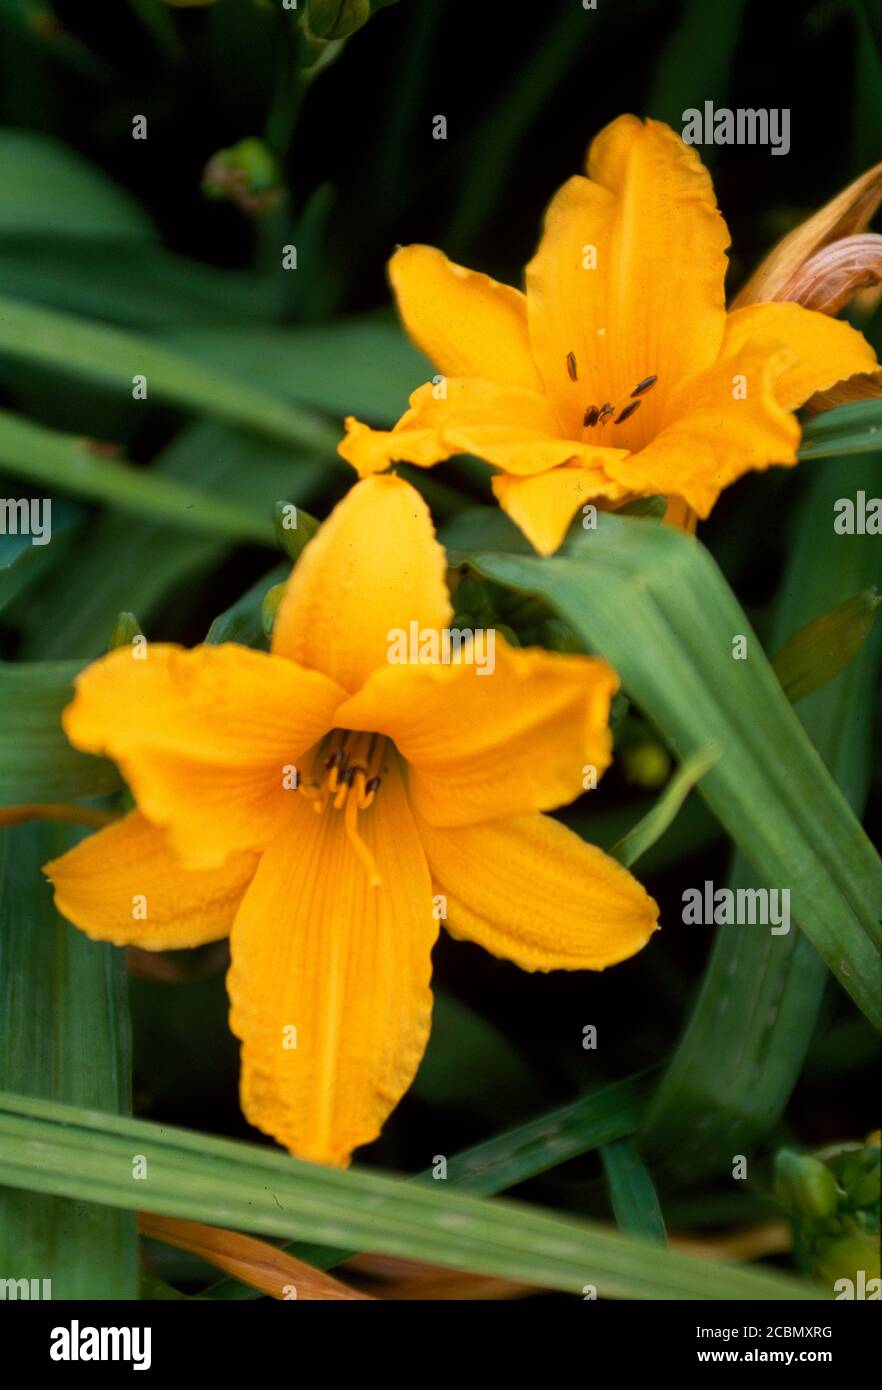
530,890
543,506
667,261
317,950
826,350
467,324
721,423
482,746
125,885
508,426
203,737
374,565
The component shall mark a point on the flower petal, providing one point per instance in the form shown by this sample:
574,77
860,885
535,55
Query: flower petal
316,949
654,305
530,890
507,426
544,506
125,885
481,746
465,323
203,737
711,435
375,564
827,351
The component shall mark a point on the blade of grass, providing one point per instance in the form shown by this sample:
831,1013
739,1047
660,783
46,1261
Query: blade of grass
63,1034
55,460
769,787
115,357
849,429
46,1147
733,1072
632,1195
37,764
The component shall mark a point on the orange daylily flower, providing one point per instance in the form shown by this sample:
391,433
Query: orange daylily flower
619,372
418,785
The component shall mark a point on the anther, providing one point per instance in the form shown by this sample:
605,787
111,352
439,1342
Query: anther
606,410
571,366
645,385
590,416
627,412
374,784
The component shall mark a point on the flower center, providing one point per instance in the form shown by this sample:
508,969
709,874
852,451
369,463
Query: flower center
345,775
606,412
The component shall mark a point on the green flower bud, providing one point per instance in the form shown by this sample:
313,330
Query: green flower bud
125,629
804,1185
646,764
246,174
270,607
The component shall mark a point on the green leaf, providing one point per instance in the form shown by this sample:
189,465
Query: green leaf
150,568
651,828
63,1034
125,281
691,69
46,1147
46,186
819,650
22,563
632,1195
768,787
849,429
733,1072
37,764
364,366
64,461
115,357
602,1116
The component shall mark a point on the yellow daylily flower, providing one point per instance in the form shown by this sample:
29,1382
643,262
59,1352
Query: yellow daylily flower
416,785
619,372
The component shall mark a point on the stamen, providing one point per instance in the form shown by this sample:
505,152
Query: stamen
606,410
645,385
627,412
590,417
350,783
571,366
350,820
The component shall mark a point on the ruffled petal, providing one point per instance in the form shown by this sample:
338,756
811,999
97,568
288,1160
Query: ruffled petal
826,351
375,564
203,738
543,506
125,885
718,425
467,324
530,890
478,746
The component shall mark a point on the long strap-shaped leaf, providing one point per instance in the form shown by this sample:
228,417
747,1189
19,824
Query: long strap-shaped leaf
733,1071
114,356
46,1147
654,603
64,1032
